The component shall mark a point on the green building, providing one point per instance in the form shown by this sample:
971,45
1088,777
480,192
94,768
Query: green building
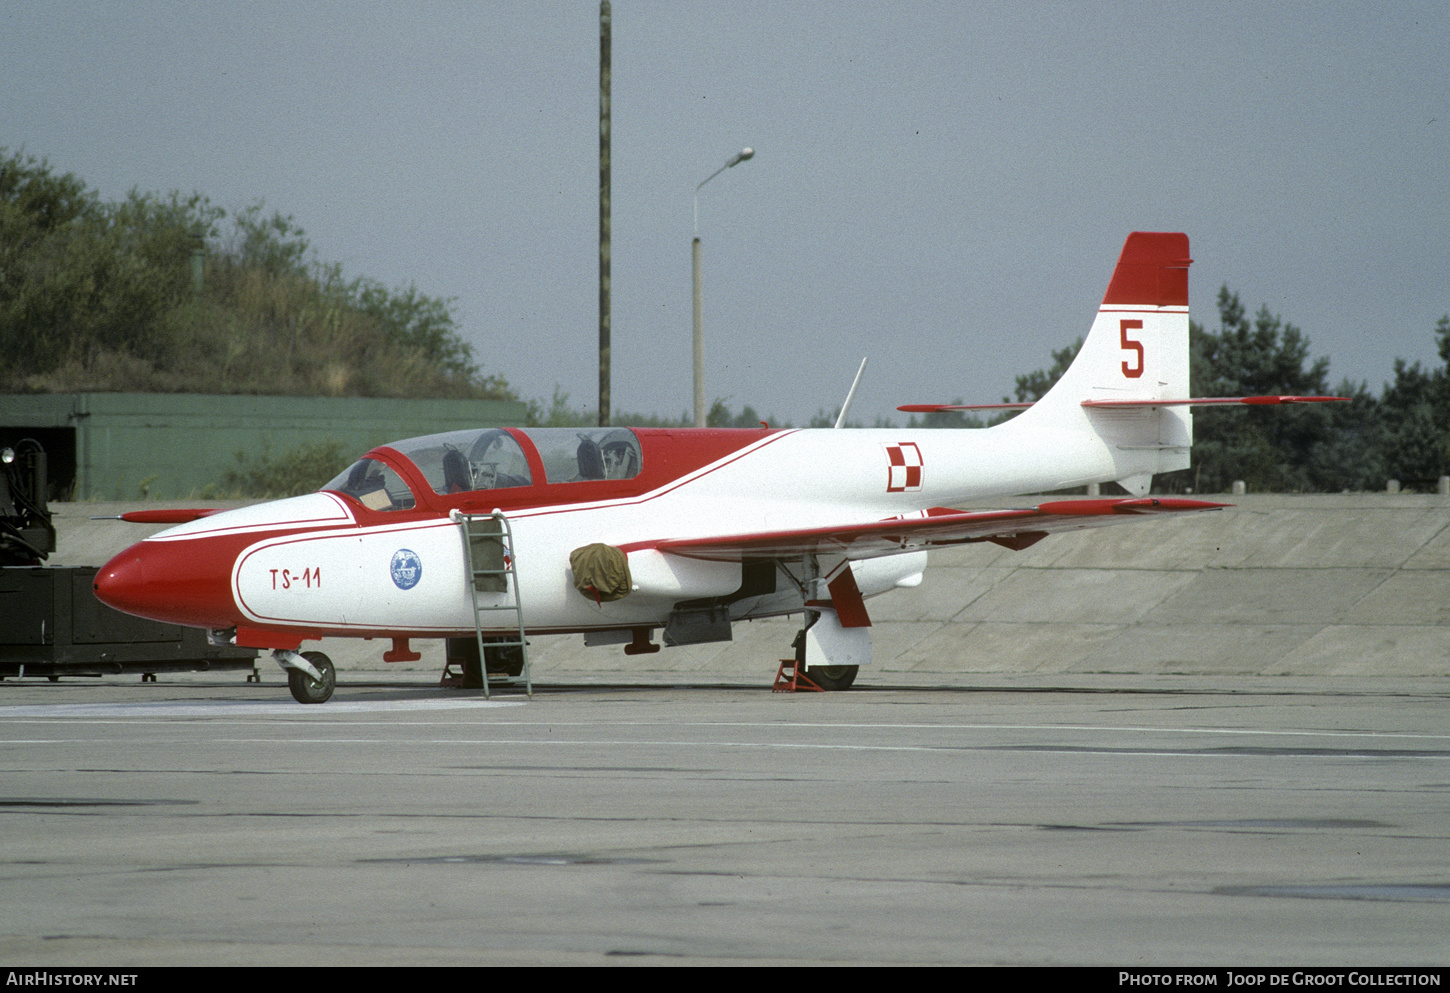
171,446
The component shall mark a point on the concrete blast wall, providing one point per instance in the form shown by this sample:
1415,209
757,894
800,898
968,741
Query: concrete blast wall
1277,585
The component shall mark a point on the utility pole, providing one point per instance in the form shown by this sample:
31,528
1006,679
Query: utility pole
604,399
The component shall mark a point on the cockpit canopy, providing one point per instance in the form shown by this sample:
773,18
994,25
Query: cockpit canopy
492,459
571,455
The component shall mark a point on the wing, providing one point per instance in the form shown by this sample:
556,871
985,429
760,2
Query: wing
933,528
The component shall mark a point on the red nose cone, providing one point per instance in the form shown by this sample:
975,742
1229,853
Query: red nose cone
121,583
177,582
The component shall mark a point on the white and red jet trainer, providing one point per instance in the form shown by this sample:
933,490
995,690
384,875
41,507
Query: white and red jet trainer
696,529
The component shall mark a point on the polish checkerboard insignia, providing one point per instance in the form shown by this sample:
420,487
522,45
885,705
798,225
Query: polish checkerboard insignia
904,474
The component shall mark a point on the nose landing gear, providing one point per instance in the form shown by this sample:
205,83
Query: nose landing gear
310,675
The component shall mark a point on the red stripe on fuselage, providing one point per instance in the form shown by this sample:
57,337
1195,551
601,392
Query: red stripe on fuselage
688,475
669,458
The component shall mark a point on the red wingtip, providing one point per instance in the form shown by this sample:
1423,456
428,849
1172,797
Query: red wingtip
1269,400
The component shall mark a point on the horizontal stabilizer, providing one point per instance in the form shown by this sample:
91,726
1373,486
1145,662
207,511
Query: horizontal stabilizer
1209,401
933,408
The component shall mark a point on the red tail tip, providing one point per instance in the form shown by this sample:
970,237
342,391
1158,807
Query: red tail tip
1152,271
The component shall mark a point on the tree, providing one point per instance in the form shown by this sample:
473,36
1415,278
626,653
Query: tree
101,296
416,322
1348,454
299,470
720,417
1269,449
1034,385
39,211
1415,419
277,245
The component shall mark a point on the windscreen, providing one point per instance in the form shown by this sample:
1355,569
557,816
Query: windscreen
374,485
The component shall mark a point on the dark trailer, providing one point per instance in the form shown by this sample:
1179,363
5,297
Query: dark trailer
51,623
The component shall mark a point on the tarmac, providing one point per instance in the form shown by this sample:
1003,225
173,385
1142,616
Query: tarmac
1217,741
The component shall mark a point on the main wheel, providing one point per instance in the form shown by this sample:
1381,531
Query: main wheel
304,688
465,651
833,677
504,660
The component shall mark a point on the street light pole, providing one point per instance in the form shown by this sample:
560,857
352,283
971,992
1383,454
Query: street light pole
700,411
699,339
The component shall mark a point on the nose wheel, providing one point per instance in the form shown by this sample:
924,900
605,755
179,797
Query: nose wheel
305,688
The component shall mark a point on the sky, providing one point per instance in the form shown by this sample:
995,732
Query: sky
942,187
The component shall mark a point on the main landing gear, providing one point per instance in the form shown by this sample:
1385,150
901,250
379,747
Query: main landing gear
795,674
833,677
502,660
835,635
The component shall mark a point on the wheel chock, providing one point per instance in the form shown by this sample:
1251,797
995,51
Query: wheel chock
451,680
789,679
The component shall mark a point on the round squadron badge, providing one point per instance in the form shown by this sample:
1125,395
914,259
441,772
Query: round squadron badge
406,568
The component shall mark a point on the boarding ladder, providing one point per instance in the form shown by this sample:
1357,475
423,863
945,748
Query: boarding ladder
488,556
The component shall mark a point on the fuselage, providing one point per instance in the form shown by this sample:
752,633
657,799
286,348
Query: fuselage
377,554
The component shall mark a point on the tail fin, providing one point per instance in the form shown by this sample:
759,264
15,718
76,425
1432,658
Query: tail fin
1137,350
